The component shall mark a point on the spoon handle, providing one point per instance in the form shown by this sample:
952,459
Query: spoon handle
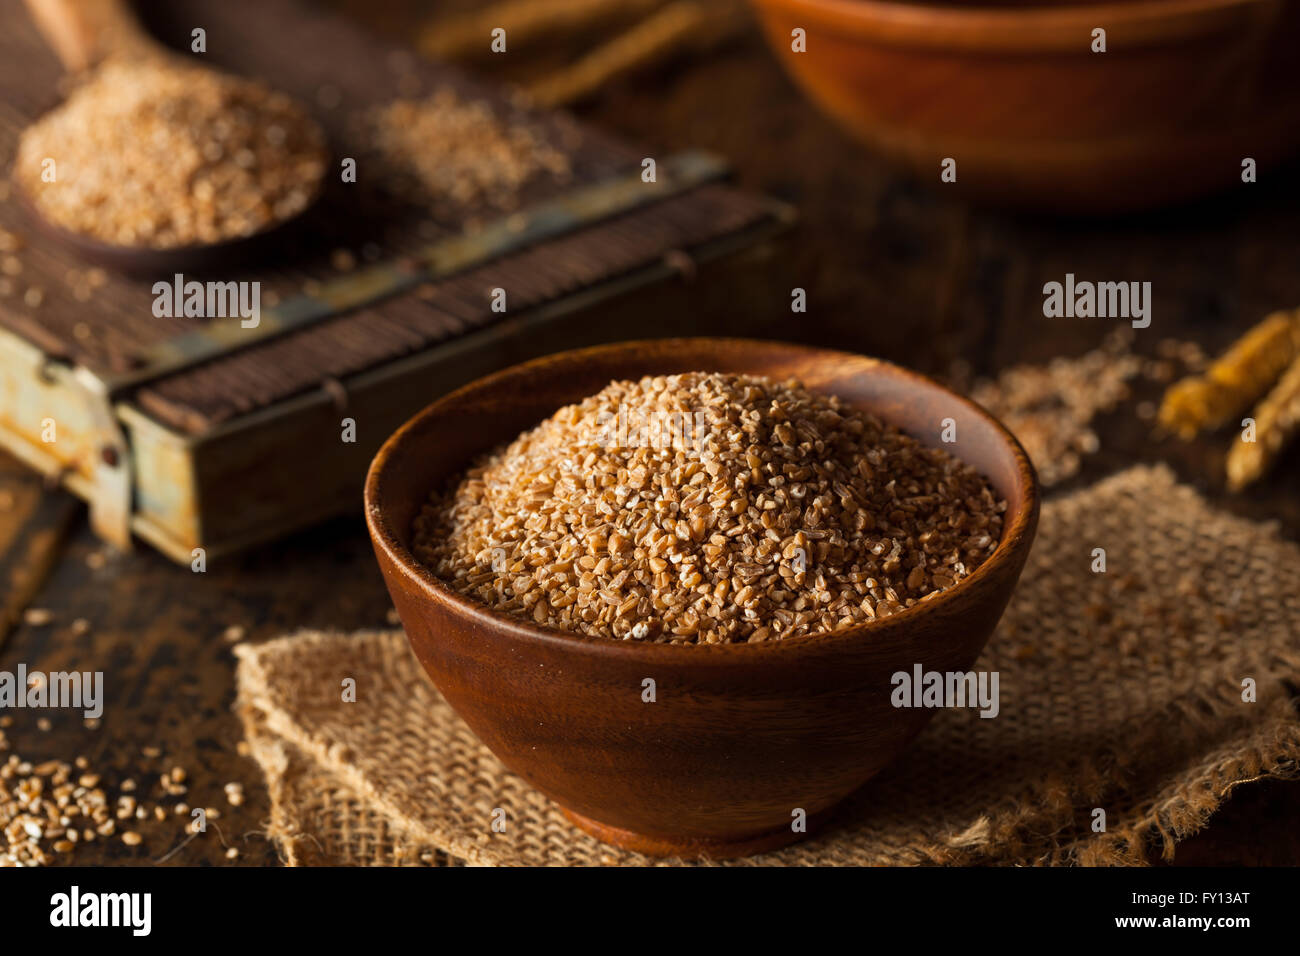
84,32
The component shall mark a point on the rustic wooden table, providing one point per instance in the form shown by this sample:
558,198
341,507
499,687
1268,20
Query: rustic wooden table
890,269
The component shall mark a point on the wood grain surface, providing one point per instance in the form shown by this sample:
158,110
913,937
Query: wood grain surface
350,72
890,269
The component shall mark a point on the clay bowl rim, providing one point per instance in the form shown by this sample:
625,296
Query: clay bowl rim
1023,27
1012,547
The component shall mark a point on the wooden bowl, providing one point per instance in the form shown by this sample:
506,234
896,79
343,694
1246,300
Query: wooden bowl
740,736
1186,90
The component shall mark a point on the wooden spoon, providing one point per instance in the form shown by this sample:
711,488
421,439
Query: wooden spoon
83,33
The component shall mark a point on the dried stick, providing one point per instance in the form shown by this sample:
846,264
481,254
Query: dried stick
1277,423
1235,380
525,21
654,40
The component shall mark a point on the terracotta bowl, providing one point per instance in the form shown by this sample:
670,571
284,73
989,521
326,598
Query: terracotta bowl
1186,90
740,736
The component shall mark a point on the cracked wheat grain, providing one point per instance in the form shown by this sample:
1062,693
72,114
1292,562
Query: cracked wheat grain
156,153
773,513
454,153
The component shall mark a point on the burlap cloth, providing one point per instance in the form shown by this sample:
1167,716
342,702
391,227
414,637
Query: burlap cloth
1119,690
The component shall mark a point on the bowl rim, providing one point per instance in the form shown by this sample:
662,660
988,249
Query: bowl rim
1016,537
987,26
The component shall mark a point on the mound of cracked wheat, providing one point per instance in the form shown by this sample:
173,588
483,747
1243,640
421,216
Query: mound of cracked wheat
447,150
156,153
705,509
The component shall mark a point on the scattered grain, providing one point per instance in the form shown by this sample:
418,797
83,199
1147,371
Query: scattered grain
53,805
1050,408
445,150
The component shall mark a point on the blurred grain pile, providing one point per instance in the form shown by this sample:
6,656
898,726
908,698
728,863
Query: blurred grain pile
1050,408
445,149
158,154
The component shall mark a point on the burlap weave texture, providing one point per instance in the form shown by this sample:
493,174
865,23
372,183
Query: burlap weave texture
1120,690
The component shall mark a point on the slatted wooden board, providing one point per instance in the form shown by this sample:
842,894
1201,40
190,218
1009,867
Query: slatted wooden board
323,59
243,446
